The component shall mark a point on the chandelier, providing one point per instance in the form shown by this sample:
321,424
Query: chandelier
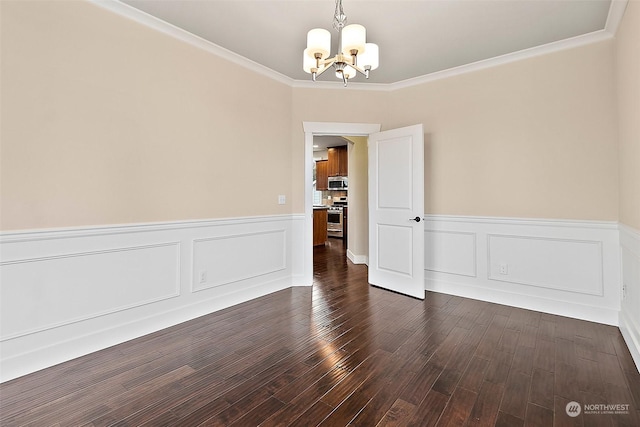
354,55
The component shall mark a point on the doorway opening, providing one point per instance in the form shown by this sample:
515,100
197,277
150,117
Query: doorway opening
324,129
331,158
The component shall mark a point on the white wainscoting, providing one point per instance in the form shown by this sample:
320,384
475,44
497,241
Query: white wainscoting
630,312
451,252
65,293
220,254
569,268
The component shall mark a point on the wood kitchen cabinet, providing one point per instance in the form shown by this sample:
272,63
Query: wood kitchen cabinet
338,161
322,175
319,227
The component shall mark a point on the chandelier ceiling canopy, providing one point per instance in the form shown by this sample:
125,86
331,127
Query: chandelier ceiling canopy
354,54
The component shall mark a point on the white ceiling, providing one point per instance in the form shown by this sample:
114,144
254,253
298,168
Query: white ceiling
416,38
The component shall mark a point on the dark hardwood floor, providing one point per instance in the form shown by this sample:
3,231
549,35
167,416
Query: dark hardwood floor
342,353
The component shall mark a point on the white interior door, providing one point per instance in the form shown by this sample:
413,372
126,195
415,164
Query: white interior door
396,210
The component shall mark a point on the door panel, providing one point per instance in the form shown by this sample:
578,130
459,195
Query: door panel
394,254
396,209
395,174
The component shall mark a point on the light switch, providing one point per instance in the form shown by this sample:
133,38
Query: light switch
282,199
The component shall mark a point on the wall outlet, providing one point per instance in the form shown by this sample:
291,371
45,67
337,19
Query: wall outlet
624,291
282,199
504,269
203,276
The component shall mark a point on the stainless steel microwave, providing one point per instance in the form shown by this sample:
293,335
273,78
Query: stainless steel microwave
338,183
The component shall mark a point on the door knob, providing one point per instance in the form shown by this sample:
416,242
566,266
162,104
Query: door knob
416,219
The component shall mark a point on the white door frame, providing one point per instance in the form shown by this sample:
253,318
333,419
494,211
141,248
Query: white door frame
321,128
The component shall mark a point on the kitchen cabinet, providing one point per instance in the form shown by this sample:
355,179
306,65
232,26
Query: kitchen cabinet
338,161
319,226
322,175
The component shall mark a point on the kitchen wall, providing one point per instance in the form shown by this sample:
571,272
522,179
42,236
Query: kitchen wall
328,196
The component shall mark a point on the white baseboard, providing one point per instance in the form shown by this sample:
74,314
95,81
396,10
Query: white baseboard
603,315
66,293
630,311
357,259
631,334
569,268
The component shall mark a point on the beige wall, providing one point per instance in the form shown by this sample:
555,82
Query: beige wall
628,90
328,105
534,138
105,121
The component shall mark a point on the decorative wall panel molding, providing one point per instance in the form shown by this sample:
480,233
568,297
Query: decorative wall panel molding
223,260
561,264
569,268
49,292
69,292
452,252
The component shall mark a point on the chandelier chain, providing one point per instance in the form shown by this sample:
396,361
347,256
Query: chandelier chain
339,18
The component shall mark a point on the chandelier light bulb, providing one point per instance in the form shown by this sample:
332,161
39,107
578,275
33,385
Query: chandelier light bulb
370,56
354,37
319,41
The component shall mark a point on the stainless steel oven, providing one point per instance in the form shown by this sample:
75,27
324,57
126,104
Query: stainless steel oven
334,221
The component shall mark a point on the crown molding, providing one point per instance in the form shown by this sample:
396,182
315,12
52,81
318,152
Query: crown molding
614,17
616,12
171,30
596,36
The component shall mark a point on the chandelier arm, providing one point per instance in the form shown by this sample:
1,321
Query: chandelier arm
329,61
358,69
350,60
326,65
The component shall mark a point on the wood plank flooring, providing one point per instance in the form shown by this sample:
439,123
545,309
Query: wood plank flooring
342,353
